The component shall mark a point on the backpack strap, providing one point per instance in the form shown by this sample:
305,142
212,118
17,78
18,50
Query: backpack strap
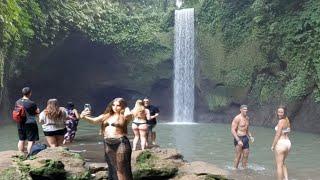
22,103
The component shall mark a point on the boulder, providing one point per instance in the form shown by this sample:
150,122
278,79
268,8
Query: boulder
95,167
150,165
59,163
51,163
9,166
202,169
159,163
58,159
100,175
6,159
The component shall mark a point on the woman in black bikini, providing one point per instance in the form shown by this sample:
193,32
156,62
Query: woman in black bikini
139,124
117,146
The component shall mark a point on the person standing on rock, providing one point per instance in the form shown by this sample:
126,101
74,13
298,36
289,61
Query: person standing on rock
139,125
118,150
27,128
241,134
154,113
281,144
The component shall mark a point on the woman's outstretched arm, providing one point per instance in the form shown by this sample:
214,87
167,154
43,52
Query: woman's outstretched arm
85,115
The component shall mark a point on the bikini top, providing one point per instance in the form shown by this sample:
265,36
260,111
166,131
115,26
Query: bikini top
114,123
285,130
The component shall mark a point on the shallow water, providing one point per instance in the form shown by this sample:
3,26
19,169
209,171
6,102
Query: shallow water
212,143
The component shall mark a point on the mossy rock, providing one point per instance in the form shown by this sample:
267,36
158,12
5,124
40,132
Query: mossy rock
13,173
85,176
153,173
51,170
149,166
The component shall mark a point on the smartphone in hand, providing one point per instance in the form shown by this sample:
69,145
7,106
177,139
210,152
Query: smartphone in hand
87,106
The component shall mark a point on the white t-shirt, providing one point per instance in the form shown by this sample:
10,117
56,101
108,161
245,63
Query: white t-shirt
50,124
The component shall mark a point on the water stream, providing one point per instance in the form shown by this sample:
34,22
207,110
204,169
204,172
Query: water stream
183,99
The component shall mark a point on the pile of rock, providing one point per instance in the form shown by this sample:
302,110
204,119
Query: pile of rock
59,163
158,163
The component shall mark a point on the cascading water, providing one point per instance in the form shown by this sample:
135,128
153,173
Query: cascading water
183,100
179,3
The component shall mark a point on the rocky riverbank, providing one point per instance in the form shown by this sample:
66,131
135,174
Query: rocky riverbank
60,163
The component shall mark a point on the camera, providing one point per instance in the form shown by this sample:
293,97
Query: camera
87,106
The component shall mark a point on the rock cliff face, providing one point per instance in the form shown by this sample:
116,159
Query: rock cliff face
92,73
240,60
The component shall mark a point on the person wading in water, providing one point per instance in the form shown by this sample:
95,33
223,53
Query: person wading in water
241,134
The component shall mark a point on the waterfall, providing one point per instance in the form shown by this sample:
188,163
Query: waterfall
183,100
179,3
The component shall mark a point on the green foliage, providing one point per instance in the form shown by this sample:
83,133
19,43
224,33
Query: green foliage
9,174
140,30
84,176
130,26
2,59
216,102
266,89
286,35
52,168
316,94
296,88
229,17
147,167
17,30
233,69
257,44
144,157
301,49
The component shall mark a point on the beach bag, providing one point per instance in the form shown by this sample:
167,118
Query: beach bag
36,148
18,113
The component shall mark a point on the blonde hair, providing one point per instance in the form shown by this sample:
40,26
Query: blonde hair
139,109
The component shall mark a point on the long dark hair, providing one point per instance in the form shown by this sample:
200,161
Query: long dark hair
109,112
122,103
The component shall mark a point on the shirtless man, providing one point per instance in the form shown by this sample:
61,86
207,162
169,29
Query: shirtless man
241,134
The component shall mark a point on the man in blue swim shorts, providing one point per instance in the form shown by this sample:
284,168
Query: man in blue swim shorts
241,134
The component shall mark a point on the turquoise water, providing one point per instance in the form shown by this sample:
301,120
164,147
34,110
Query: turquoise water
212,143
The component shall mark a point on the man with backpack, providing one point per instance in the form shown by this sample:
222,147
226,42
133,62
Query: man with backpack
24,114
